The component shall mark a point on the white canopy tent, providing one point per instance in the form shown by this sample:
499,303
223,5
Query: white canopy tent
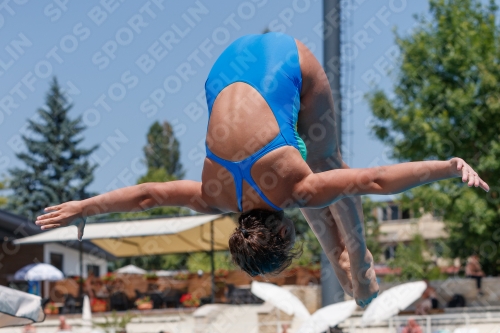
184,234
131,269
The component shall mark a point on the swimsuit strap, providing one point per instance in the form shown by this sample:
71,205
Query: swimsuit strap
242,170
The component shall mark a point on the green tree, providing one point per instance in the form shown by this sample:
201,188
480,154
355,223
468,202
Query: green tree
56,168
446,103
305,238
372,226
201,260
174,261
415,262
3,200
162,159
162,150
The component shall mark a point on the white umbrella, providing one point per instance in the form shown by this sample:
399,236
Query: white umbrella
39,272
329,316
19,308
131,269
169,273
391,301
280,298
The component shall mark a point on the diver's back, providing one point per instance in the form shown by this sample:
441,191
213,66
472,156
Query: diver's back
253,90
253,97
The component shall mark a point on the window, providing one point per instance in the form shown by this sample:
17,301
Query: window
56,260
94,270
439,248
394,212
406,214
389,252
384,214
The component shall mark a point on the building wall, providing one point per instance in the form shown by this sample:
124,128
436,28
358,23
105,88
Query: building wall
14,257
71,260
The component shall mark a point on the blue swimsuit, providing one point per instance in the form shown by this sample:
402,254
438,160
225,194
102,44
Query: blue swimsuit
270,64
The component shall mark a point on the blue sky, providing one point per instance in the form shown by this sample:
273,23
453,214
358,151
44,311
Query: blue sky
126,64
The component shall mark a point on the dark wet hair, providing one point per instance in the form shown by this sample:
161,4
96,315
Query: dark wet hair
257,246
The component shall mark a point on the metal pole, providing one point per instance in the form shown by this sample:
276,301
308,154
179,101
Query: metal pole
331,290
331,57
81,270
212,263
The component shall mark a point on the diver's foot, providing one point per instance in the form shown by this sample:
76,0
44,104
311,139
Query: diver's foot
364,280
342,268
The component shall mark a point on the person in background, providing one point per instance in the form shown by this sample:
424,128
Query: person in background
29,329
429,301
412,327
473,271
63,325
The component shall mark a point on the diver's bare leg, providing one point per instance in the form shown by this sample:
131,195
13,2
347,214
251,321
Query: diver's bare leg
342,230
316,124
330,237
348,214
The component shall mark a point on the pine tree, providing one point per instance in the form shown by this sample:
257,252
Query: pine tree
162,150
56,169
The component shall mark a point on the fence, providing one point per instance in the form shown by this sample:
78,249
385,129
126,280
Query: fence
470,322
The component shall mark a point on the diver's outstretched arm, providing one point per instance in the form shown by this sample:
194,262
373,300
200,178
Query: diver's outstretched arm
183,193
325,188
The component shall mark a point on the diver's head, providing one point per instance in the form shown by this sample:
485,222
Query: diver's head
263,242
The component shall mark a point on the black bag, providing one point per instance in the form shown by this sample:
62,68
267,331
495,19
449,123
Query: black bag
457,301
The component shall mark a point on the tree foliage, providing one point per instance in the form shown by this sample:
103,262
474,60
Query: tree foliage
55,168
372,227
415,261
446,103
3,200
176,261
162,157
162,150
305,238
201,261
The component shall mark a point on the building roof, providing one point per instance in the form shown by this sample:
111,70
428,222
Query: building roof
13,226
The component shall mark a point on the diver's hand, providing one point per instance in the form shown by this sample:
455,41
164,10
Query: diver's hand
63,215
462,169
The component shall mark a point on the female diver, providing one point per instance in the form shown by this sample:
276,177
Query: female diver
272,144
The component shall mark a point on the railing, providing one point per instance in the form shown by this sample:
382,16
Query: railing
454,322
